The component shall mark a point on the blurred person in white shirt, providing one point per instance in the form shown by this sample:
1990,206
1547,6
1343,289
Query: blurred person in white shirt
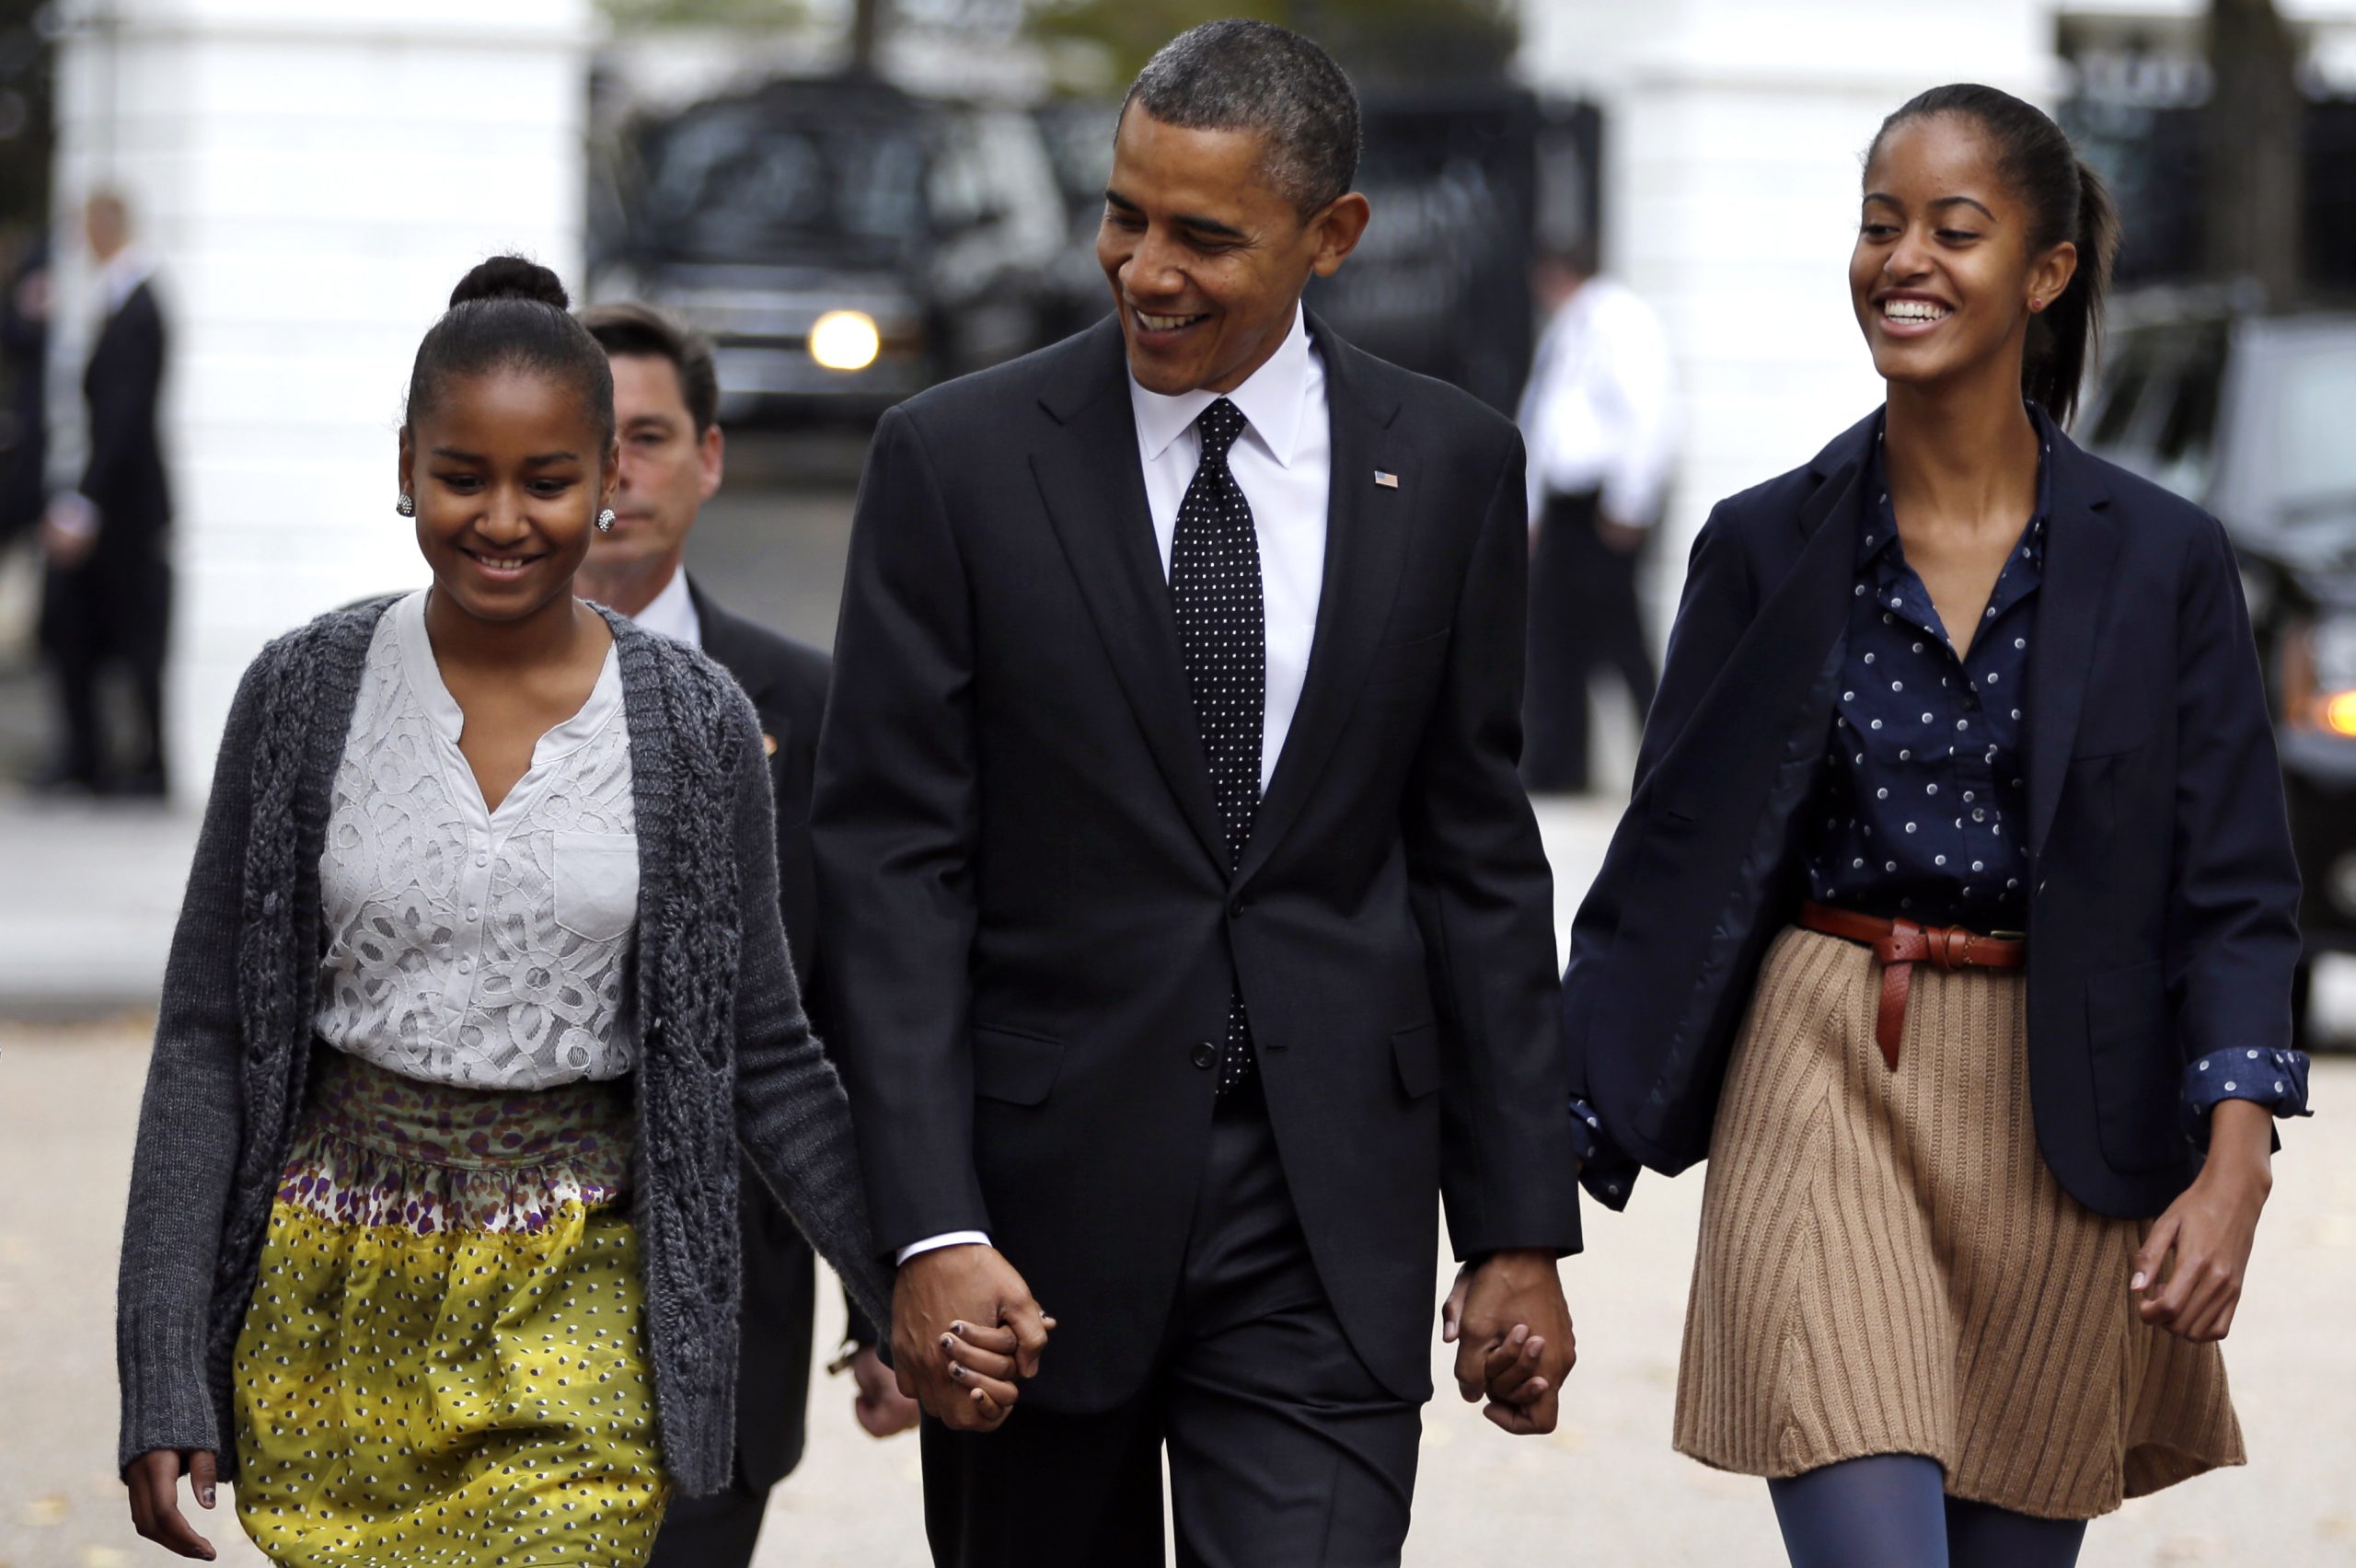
1598,417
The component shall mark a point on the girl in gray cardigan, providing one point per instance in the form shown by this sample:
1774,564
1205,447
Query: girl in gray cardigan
479,984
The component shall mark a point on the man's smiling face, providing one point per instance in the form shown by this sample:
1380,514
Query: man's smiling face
1206,257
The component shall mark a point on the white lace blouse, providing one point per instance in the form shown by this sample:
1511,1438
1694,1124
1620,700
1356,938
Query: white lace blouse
467,946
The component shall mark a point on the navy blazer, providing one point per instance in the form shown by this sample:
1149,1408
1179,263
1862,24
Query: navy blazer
2162,910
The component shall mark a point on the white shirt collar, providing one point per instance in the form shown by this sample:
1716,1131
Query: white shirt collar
673,611
425,677
1270,400
120,278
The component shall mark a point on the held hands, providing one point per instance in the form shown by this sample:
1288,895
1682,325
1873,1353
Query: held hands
1512,1331
154,1481
2209,1230
964,1328
881,1410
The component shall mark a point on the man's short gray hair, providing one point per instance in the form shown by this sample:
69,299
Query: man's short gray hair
1257,76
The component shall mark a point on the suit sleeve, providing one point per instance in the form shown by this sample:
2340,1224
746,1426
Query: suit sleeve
1485,901
122,406
2233,917
790,1108
1712,611
894,823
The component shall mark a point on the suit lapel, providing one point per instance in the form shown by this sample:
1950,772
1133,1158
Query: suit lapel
724,643
1090,477
1366,545
2081,538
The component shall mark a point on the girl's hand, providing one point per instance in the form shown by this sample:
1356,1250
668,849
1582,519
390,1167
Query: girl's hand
2201,1245
154,1481
984,1360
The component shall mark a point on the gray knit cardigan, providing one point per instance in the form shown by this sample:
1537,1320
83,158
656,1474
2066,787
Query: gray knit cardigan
725,1053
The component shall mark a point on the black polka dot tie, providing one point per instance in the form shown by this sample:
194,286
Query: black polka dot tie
1214,580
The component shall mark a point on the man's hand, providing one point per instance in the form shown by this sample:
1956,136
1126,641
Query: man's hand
1512,1331
1619,539
2189,1269
154,1481
69,530
880,1408
964,1292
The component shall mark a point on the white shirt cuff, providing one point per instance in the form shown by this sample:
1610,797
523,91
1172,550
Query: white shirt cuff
947,1238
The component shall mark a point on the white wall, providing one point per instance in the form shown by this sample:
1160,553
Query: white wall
1732,134
312,177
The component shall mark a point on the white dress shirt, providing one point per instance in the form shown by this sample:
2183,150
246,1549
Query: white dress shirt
1283,463
468,946
1599,414
673,611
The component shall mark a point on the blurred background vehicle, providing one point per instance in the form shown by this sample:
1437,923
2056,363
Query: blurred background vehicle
2244,409
844,243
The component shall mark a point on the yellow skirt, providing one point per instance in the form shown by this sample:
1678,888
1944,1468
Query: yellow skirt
443,1362
1886,1266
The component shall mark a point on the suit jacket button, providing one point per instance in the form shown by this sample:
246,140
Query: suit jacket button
1235,908
1206,1054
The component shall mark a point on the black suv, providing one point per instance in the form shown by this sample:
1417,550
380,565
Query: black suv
844,244
2244,410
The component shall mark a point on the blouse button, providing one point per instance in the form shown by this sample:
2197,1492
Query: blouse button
481,860
473,914
1979,813
465,966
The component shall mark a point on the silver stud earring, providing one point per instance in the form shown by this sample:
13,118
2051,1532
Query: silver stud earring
405,507
606,521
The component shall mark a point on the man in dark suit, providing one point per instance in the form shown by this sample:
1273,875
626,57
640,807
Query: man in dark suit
108,597
1189,930
666,409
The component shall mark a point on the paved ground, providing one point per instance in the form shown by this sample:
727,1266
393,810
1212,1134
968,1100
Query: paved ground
82,939
1604,1490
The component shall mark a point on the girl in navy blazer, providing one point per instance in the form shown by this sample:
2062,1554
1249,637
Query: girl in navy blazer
1953,916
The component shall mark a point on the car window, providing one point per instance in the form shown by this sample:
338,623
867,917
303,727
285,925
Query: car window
2184,437
734,181
2120,396
2310,461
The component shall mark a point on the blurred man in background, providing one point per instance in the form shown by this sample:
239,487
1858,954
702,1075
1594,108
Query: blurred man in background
666,398
23,425
108,596
1598,419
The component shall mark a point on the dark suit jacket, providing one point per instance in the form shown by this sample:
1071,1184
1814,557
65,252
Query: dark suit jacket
125,475
1033,931
116,600
2161,918
788,684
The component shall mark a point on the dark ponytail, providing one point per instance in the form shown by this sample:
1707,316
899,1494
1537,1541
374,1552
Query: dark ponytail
2067,201
511,313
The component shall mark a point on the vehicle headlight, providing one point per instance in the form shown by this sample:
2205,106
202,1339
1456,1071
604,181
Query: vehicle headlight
844,340
2319,676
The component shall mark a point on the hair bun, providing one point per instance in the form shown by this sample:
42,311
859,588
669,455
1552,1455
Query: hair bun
510,277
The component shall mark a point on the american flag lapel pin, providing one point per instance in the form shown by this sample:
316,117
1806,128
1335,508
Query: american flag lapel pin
1388,481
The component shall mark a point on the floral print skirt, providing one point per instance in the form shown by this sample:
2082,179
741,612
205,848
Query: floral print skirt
443,1362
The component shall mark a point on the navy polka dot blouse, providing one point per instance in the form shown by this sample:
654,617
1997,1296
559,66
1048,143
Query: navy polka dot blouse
1921,808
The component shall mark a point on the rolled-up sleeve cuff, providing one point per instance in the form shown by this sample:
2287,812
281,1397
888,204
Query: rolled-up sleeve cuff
2274,1078
1608,1174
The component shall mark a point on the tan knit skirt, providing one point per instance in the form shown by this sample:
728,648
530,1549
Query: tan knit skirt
1888,1267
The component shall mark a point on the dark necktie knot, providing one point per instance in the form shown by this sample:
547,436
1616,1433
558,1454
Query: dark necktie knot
1219,425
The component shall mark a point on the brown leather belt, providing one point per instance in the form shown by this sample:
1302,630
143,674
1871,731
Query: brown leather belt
1902,944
